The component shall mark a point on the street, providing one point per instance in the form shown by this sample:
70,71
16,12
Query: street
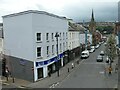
90,74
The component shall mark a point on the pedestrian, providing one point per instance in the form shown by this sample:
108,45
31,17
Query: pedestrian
116,68
7,73
110,70
72,65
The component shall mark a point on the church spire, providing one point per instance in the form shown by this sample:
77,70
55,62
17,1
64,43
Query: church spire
92,18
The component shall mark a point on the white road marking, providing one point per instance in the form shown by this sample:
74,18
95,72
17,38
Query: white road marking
54,85
101,72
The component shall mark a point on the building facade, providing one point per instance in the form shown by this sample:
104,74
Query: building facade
119,11
1,38
30,43
73,40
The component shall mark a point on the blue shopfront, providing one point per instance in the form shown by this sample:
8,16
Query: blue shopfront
43,67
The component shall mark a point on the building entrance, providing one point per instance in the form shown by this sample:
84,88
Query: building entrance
40,73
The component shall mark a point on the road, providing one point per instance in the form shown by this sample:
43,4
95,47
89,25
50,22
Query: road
90,74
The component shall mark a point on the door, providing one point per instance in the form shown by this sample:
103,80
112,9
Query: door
40,73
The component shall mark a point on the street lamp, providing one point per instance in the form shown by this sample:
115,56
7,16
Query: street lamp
86,39
57,35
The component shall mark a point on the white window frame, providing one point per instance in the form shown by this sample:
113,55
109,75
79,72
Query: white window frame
63,35
60,47
53,49
38,41
48,51
38,57
52,36
47,37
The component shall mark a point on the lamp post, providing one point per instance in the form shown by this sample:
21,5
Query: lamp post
86,39
57,35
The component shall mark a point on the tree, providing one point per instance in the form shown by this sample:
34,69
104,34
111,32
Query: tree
111,48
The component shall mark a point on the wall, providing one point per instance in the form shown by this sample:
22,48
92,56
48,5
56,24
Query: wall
18,36
48,24
20,68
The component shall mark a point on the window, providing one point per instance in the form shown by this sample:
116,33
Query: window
47,36
38,51
66,35
52,36
38,36
47,50
60,47
66,45
60,36
63,47
63,36
52,49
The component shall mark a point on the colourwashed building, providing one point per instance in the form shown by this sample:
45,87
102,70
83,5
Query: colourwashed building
119,22
119,11
30,43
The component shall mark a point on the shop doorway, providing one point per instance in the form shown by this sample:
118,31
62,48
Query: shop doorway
40,73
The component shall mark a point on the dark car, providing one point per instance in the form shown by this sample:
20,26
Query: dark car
99,58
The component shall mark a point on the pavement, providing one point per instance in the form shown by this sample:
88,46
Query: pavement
48,82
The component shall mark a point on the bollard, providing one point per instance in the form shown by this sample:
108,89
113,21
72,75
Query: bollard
68,69
13,80
78,62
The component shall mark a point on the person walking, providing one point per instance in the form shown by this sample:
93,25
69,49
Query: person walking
110,70
72,65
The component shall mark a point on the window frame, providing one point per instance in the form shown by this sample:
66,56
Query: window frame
39,52
36,37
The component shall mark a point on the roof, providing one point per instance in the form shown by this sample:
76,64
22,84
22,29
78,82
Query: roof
33,11
75,27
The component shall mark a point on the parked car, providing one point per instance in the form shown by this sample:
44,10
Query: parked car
102,53
100,58
97,46
107,59
85,54
91,50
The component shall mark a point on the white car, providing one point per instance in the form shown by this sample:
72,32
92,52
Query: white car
85,54
92,50
97,46
102,53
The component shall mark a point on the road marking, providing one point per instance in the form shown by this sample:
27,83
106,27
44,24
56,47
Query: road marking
21,86
54,85
101,72
5,83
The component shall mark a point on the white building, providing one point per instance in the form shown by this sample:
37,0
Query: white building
30,43
73,40
82,38
1,38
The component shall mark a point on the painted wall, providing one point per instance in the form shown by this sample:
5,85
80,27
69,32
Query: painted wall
47,24
18,39
73,39
82,38
1,45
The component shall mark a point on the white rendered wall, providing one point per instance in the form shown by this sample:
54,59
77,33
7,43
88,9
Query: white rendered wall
1,45
18,39
47,24
82,38
73,39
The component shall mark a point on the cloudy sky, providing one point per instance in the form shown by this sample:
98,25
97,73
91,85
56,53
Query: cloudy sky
78,10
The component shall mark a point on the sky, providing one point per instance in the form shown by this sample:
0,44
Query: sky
78,10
